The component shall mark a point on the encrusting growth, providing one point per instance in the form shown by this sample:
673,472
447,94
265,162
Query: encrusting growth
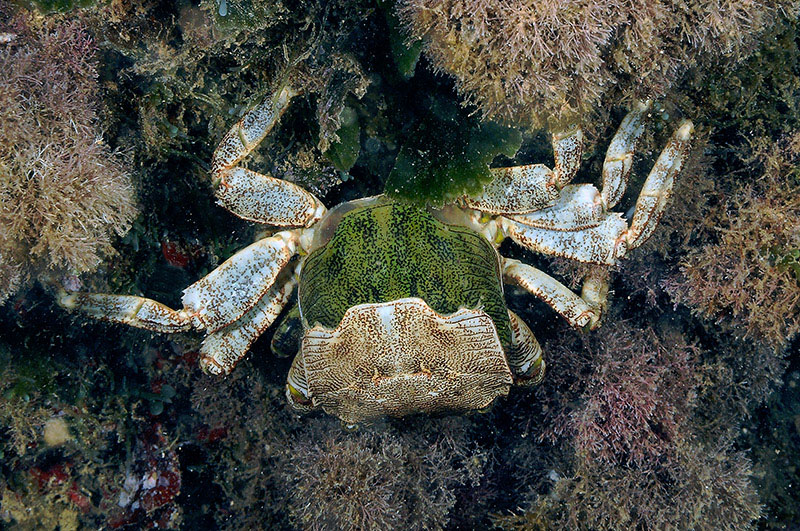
748,278
527,62
63,192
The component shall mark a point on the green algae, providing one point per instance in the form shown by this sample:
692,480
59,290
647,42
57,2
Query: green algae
344,153
405,52
394,251
447,155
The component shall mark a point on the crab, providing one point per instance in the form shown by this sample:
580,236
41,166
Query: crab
402,307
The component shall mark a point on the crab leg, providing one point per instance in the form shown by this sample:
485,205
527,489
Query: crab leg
233,288
578,207
595,289
578,311
619,157
223,349
575,228
522,189
129,310
525,355
658,186
251,195
264,199
215,301
516,190
601,243
567,151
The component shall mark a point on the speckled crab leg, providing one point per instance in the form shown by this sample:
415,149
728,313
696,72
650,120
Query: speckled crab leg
576,227
600,243
579,312
251,195
211,303
223,349
128,309
619,157
579,206
658,186
525,355
567,151
516,190
566,229
232,289
522,189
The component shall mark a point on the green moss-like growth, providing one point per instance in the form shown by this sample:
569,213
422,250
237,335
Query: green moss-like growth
405,54
344,153
393,251
32,375
448,155
58,6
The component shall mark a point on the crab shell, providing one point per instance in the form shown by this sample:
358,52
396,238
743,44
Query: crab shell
401,309
402,313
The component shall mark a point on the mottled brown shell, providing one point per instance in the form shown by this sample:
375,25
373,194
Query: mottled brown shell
401,357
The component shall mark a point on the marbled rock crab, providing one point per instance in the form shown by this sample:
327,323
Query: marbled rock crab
402,308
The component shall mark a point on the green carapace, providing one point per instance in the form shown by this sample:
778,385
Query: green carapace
392,250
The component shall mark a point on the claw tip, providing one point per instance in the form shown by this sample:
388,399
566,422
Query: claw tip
286,94
685,130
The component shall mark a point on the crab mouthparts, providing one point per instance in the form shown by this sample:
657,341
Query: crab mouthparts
402,357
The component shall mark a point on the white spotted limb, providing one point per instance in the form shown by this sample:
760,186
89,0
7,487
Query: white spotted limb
619,157
584,311
578,224
222,350
233,304
523,189
525,354
251,195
